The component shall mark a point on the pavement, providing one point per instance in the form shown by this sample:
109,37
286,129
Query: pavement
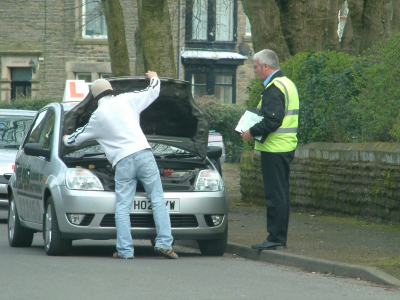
340,246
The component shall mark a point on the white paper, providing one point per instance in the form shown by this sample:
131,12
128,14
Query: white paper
249,119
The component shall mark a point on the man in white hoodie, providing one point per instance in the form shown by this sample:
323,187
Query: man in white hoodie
115,124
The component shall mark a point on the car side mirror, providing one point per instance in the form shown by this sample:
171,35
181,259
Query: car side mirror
214,152
36,149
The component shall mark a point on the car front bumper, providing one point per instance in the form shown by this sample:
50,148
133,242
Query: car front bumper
192,221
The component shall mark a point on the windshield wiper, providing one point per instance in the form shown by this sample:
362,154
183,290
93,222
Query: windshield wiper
91,154
11,146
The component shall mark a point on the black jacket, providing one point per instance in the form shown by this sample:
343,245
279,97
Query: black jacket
272,108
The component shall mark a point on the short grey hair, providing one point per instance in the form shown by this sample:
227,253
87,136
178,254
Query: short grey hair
269,57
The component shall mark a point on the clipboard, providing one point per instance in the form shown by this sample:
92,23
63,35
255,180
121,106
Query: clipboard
249,119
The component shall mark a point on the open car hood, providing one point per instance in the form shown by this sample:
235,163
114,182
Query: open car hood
173,118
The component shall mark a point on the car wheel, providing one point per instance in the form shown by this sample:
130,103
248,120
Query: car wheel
54,244
214,247
18,236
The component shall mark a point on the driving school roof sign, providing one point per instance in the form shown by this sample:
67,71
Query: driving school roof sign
75,90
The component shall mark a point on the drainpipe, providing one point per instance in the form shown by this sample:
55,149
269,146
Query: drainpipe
179,38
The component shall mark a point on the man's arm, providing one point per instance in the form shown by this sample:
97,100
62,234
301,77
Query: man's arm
142,99
273,110
82,134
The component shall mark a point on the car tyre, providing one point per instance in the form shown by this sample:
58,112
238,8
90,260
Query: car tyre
18,236
214,247
54,244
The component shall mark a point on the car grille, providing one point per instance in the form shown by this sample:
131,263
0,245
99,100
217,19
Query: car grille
147,221
168,187
87,220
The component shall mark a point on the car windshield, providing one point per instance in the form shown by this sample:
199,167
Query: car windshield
13,130
159,150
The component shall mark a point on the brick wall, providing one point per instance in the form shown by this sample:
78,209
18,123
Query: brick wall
353,179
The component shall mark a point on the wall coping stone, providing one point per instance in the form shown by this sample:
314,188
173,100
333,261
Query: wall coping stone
358,152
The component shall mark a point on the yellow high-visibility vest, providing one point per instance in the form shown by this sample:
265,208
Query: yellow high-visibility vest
284,139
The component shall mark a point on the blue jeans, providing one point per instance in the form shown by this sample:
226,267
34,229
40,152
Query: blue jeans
139,166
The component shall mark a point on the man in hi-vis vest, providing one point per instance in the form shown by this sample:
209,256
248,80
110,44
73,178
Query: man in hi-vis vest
279,106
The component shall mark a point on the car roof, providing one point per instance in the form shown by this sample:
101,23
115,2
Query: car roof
17,112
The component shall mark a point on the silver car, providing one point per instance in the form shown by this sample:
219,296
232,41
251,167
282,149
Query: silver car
14,125
68,193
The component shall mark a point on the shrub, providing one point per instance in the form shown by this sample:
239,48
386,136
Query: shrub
26,103
224,118
378,102
325,82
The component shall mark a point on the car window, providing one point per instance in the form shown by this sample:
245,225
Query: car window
46,134
13,129
34,132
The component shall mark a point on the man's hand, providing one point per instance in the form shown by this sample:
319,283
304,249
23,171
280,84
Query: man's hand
247,136
150,74
64,137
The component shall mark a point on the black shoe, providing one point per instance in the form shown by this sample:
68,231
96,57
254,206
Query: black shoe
269,246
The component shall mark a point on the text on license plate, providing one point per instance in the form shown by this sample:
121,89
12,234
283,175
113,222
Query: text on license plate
145,205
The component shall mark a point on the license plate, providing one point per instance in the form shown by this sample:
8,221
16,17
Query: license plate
145,205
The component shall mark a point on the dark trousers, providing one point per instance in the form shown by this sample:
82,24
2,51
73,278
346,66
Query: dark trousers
276,170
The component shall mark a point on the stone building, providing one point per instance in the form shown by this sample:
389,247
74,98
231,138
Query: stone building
43,43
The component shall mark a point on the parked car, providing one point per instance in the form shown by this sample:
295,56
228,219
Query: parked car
14,125
216,139
68,193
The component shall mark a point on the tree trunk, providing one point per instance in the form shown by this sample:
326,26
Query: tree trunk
155,38
348,43
332,38
304,23
373,21
116,37
266,30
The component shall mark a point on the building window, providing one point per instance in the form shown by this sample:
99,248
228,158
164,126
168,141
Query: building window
105,75
211,80
224,20
199,85
199,19
20,82
211,24
83,76
93,20
223,88
248,27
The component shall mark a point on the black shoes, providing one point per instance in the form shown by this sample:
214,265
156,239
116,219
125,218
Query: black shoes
269,246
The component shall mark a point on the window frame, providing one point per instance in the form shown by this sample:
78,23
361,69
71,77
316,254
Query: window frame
83,16
84,74
210,42
212,71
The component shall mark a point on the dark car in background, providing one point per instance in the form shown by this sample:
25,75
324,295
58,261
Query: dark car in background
14,124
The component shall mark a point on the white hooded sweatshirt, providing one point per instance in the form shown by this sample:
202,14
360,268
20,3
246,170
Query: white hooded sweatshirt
115,124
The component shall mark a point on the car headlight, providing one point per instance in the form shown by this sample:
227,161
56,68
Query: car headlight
82,179
208,180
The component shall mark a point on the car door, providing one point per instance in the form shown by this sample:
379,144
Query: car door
27,190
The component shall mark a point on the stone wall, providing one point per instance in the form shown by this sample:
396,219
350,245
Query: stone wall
353,179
